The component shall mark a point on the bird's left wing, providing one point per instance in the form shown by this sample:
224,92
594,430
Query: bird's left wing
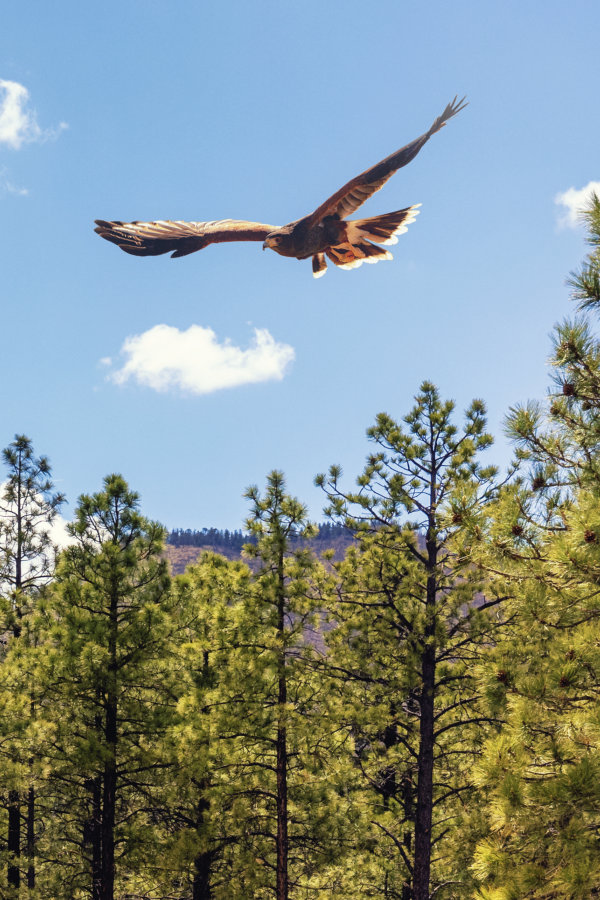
355,192
178,238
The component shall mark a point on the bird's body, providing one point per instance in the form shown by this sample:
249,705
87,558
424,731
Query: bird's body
324,232
301,239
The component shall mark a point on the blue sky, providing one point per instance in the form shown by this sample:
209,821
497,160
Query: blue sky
189,110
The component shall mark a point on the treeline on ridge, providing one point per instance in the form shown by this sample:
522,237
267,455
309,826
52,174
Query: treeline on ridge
326,535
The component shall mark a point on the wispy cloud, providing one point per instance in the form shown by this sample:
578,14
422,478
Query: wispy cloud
196,362
573,201
18,122
8,187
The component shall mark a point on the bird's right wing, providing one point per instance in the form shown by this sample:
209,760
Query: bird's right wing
359,189
178,238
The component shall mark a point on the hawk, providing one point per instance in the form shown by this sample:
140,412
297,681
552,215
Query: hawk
326,232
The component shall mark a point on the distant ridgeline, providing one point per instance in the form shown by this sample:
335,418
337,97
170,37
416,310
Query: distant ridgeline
328,536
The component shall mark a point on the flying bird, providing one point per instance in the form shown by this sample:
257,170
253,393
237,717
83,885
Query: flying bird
325,232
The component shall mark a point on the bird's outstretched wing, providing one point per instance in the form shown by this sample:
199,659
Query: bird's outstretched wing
178,238
355,192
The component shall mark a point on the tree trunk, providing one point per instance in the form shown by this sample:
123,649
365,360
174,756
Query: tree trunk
108,807
31,818
31,837
14,838
14,802
282,814
201,887
424,809
282,889
109,793
202,869
423,817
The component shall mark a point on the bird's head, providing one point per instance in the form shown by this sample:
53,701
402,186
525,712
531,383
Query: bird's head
271,241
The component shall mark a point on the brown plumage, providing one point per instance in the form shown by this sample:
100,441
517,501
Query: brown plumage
325,232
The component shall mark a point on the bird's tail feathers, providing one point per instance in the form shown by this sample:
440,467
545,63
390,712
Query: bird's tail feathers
382,229
350,256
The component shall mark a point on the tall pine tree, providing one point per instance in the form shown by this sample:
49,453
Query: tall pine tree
258,740
28,507
106,666
411,622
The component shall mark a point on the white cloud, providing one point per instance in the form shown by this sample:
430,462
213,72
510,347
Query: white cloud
59,534
574,201
194,361
18,123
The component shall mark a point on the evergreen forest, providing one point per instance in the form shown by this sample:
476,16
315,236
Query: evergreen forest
231,543
416,720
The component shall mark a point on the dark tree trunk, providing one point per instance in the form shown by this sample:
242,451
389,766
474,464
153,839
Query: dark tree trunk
108,811
14,838
282,891
109,792
424,808
31,838
14,801
423,818
201,886
31,819
282,814
202,871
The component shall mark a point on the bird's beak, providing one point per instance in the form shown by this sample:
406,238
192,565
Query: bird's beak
265,245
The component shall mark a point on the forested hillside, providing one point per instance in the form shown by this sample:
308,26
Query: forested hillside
185,546
183,738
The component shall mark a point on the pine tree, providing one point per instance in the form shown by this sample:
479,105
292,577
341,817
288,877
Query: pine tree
411,623
263,751
106,665
28,507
